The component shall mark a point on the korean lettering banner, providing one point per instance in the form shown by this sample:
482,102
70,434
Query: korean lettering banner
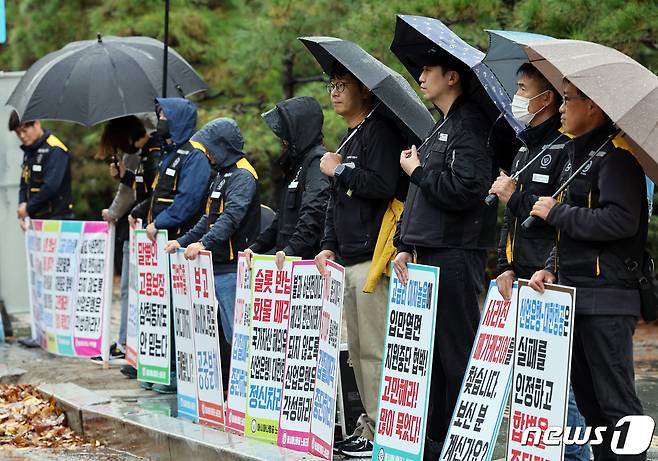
407,366
236,403
70,285
154,309
181,297
326,384
132,333
270,311
540,378
301,358
486,386
206,341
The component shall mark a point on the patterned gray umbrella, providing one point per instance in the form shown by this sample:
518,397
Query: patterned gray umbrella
399,101
92,81
624,89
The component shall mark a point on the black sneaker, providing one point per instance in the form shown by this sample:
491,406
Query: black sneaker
116,353
341,443
360,448
129,371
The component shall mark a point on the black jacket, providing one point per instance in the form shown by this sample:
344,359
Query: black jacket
362,192
521,250
602,218
298,225
445,204
46,179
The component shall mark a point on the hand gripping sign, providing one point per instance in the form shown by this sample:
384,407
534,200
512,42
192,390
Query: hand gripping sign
407,365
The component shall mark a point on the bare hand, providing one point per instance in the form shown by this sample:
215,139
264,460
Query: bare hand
400,266
132,222
192,251
409,160
503,187
24,223
321,260
280,259
21,211
151,232
114,171
329,162
540,278
248,254
105,213
542,207
504,283
171,246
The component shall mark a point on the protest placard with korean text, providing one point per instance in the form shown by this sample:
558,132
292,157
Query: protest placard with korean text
323,417
132,329
486,385
541,369
153,360
407,365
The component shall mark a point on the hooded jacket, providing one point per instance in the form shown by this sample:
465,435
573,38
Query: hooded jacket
183,174
601,219
231,220
46,179
525,250
297,228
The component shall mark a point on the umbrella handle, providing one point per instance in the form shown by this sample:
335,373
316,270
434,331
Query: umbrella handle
491,199
529,222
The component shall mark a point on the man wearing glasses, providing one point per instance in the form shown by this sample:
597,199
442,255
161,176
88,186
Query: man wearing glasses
602,218
366,177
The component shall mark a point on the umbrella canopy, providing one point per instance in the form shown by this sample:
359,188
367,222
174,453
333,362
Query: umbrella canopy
399,101
418,34
624,89
93,81
506,54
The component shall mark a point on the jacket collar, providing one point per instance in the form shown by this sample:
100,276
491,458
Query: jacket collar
535,135
34,147
583,145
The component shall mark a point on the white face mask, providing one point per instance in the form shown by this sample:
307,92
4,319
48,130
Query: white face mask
520,108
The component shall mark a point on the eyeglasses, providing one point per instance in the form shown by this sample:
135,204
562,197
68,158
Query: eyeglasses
566,99
338,86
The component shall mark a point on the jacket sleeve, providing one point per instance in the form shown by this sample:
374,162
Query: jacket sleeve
22,190
550,261
123,201
311,213
621,184
465,183
192,186
520,203
376,175
55,167
140,211
329,240
194,234
267,239
238,197
397,238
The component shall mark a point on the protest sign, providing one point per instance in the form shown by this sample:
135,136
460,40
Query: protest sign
270,311
323,417
301,357
153,360
132,333
486,385
70,285
540,378
407,365
183,324
206,341
236,403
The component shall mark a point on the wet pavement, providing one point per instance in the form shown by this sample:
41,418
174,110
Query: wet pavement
80,454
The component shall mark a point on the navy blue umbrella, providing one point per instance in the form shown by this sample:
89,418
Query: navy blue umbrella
418,34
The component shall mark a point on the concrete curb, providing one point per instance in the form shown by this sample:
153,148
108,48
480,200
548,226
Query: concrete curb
124,426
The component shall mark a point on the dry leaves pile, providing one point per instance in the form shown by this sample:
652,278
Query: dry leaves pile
27,419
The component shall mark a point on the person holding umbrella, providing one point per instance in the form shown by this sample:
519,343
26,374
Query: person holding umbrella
45,186
297,228
365,177
446,224
602,218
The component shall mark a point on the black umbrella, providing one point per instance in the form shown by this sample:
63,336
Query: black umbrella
399,102
92,81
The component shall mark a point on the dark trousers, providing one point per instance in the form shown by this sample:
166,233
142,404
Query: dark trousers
458,316
602,375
